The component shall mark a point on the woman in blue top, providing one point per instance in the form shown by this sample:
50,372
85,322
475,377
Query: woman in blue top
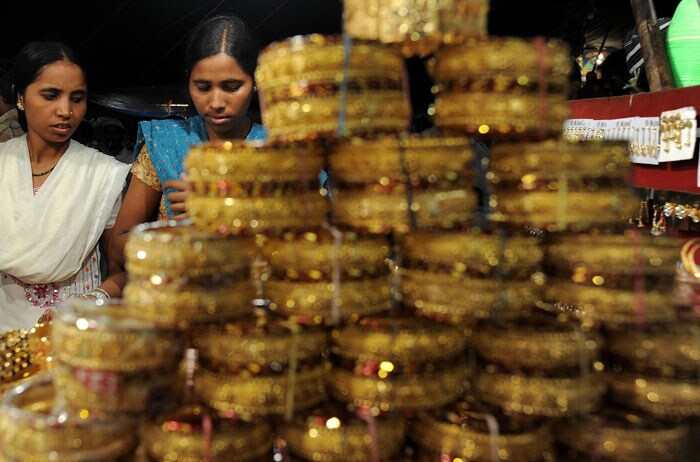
220,60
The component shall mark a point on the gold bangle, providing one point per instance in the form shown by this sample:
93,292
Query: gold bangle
549,345
109,391
379,213
31,429
224,165
573,211
314,301
474,253
550,397
423,27
259,342
169,251
316,58
435,436
388,160
229,215
365,113
527,163
666,350
313,256
423,391
337,437
457,298
248,397
601,438
183,305
179,436
605,304
107,338
536,59
504,115
662,398
16,362
401,340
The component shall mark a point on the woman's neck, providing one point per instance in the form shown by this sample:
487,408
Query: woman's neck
239,132
41,152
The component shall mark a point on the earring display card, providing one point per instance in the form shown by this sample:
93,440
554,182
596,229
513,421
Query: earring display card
644,140
678,133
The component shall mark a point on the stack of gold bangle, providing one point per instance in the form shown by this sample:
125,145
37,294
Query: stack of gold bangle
302,268
34,428
538,343
107,360
503,86
666,351
180,436
461,431
306,87
16,362
419,28
660,397
397,363
326,435
462,276
559,185
624,438
178,275
253,187
248,367
543,396
397,184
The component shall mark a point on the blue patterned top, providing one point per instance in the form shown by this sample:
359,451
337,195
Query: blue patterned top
169,141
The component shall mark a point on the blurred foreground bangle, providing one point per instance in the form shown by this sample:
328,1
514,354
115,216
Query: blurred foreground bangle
100,294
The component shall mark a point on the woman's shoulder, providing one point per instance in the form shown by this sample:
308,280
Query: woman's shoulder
86,154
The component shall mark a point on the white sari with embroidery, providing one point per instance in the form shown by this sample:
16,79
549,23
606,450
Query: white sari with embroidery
48,239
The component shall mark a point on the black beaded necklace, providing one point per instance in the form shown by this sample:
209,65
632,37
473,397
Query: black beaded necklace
45,172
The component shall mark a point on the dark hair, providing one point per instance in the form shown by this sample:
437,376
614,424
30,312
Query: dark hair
29,63
6,81
222,34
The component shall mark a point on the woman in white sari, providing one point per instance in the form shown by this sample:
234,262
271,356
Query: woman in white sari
58,198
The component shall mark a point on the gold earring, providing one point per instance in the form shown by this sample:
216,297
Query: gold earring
20,106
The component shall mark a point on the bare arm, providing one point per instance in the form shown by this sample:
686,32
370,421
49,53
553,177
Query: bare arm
116,277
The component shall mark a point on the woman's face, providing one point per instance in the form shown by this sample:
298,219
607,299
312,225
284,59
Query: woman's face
56,102
221,92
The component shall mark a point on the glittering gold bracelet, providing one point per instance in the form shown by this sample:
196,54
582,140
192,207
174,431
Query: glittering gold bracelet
32,428
460,441
180,434
187,304
662,398
401,340
598,438
259,342
570,211
501,115
172,252
313,256
16,362
665,350
315,301
417,28
318,58
478,253
227,216
546,160
365,113
87,335
530,59
457,299
332,438
550,397
607,305
422,391
248,397
109,391
390,159
380,213
547,346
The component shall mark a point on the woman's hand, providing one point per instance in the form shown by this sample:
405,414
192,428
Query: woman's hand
178,198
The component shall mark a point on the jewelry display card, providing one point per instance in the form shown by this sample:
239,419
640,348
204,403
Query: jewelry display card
644,140
678,132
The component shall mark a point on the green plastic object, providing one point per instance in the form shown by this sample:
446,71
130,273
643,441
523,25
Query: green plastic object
683,44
